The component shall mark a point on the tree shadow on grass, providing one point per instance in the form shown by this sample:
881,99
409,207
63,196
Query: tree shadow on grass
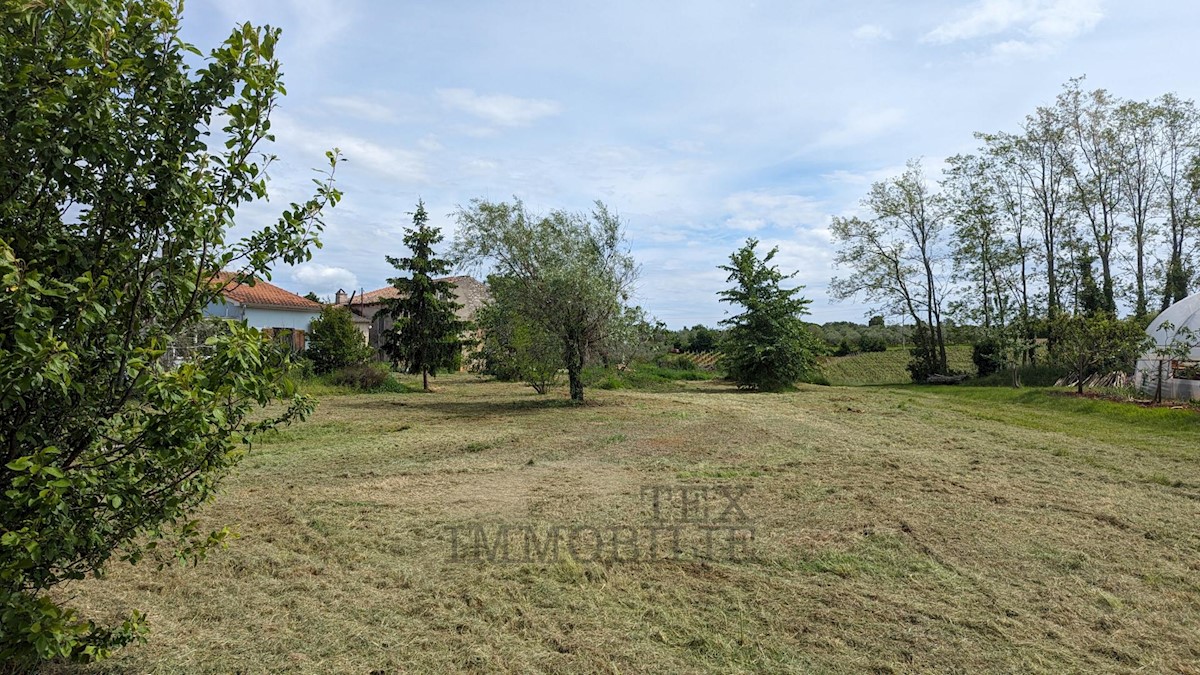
477,408
715,387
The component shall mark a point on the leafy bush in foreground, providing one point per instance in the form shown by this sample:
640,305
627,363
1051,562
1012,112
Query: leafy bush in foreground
986,355
107,449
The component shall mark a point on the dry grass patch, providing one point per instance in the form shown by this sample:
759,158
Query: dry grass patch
896,530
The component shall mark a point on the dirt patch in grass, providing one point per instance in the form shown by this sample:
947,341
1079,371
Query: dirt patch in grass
894,530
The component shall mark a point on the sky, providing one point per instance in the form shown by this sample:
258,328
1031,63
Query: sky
700,123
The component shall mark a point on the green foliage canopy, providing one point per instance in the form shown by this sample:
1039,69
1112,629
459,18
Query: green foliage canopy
571,274
1088,345
121,169
334,341
767,347
513,347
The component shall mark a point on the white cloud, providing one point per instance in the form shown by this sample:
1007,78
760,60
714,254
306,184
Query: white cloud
987,17
1013,50
324,280
1033,27
481,167
307,24
870,32
688,147
387,161
862,179
499,109
1067,19
430,143
862,124
321,21
813,262
360,108
760,209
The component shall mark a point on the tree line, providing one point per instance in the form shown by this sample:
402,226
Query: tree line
1089,208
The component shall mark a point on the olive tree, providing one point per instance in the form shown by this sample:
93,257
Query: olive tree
513,347
570,274
124,157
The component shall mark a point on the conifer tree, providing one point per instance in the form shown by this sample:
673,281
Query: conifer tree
427,334
767,346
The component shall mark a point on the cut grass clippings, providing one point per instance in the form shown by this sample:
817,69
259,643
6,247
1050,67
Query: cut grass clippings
909,529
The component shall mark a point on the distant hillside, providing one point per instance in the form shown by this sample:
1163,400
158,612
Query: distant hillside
885,367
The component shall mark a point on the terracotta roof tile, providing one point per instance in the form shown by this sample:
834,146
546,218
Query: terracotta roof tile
470,293
262,294
377,295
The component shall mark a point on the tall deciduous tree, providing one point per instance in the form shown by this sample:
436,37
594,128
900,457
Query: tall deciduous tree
1181,147
1094,170
427,335
571,273
983,257
1088,179
1043,157
1017,208
1140,156
898,258
115,204
767,346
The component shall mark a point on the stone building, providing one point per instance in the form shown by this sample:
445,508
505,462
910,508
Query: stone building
366,307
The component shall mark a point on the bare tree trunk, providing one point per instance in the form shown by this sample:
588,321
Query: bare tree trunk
1140,240
984,271
574,358
575,376
1052,299
1110,301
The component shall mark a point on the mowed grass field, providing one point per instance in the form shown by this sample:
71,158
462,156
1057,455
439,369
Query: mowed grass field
890,367
895,530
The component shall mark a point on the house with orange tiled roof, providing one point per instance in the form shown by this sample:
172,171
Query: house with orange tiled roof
265,306
469,292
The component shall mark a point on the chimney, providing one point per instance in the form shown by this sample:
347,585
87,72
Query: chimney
339,298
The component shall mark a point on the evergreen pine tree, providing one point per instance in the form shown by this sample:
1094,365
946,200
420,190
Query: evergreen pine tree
767,346
427,334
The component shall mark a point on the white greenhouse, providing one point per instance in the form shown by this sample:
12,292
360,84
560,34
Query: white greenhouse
1179,372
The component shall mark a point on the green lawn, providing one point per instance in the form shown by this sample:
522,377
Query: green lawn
895,530
890,367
